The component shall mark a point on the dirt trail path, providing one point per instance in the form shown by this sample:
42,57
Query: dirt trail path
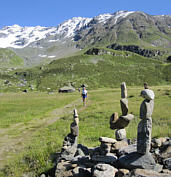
11,144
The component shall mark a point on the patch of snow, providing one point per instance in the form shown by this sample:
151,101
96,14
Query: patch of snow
53,40
53,56
121,14
43,56
103,17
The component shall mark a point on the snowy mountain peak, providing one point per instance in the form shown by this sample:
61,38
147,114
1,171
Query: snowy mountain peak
19,37
69,27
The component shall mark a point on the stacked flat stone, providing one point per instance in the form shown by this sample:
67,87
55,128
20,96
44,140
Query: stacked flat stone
106,144
145,125
71,140
120,122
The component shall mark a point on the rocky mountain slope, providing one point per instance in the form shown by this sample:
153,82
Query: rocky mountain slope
43,44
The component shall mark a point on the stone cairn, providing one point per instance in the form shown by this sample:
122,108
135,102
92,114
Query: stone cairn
145,125
117,157
71,140
120,122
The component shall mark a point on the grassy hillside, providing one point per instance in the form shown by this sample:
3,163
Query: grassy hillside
9,59
107,69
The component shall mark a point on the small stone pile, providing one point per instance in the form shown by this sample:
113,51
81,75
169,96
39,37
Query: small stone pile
120,122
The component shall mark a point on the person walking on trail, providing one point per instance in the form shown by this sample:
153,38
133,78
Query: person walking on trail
84,95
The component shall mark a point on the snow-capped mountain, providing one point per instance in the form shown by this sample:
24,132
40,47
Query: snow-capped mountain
36,44
19,37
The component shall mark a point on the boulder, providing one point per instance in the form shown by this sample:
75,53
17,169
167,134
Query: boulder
127,149
66,89
103,170
135,160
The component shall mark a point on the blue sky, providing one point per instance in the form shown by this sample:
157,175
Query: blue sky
54,12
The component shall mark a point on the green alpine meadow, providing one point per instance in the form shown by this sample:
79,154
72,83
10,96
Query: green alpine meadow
43,70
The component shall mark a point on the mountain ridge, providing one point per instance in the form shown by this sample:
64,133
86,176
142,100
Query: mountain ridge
42,44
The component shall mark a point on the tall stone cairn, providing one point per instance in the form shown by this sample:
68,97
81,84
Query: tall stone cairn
145,125
70,141
120,122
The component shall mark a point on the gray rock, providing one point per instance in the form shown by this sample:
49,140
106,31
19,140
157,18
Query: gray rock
120,134
105,148
81,171
119,145
123,173
127,149
66,89
155,143
122,122
144,136
147,173
135,160
74,129
110,159
124,106
146,109
107,140
69,147
167,163
83,149
147,94
123,90
104,170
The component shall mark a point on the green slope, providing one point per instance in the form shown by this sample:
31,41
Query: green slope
9,59
107,69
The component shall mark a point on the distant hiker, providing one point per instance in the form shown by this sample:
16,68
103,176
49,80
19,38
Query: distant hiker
145,85
84,95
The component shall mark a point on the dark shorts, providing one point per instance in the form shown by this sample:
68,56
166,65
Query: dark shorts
84,96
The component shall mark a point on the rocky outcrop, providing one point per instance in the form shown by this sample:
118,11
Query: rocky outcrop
136,49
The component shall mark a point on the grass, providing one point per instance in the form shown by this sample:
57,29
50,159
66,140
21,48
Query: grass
40,151
23,107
